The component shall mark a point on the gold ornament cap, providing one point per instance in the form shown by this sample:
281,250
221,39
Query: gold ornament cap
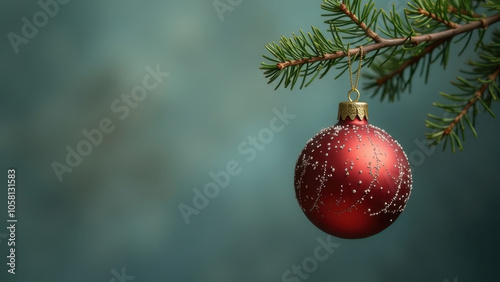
353,109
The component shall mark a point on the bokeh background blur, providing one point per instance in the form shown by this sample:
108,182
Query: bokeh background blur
116,216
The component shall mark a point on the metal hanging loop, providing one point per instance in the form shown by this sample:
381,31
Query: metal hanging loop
354,86
349,95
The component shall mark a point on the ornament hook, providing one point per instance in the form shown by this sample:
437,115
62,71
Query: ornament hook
354,86
349,94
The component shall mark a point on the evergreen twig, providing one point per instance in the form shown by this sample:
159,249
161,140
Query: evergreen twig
481,85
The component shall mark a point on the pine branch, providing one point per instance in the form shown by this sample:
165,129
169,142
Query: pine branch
313,54
455,10
478,95
427,17
426,13
412,61
368,31
386,43
483,82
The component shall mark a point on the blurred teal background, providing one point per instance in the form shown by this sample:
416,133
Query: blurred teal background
118,211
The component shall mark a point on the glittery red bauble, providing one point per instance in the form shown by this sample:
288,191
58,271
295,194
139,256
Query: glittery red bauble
352,180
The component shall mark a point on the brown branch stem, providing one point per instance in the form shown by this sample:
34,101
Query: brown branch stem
368,31
454,10
435,17
479,93
426,51
410,62
385,43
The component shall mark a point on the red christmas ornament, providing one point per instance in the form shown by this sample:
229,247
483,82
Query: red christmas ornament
352,180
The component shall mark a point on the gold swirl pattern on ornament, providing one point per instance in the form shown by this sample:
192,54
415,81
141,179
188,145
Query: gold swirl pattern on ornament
375,175
398,180
308,161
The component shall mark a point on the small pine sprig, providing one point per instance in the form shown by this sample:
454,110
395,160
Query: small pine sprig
442,19
476,94
312,54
